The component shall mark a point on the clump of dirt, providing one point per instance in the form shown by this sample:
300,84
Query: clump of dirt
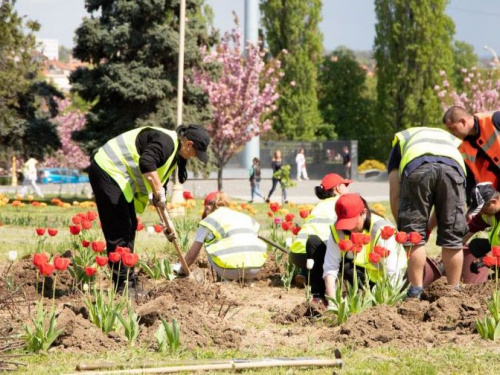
303,313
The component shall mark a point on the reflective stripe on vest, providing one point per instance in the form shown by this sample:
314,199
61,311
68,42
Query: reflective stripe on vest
119,158
235,243
419,141
317,223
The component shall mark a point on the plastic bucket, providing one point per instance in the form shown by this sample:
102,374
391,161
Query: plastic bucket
469,277
432,272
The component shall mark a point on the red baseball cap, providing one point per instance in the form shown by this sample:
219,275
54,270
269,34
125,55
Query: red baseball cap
210,197
348,208
331,180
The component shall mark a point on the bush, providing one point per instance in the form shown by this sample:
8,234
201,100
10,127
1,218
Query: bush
371,164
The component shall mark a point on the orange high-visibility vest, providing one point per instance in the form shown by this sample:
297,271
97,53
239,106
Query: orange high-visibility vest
484,169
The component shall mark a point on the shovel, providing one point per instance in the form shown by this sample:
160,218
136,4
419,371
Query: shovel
169,231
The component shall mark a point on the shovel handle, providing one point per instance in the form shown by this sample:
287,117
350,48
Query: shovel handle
274,244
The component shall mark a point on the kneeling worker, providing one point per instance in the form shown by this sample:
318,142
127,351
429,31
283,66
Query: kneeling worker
230,239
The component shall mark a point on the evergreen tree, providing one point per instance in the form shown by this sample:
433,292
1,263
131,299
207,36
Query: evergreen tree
292,33
343,101
412,44
132,48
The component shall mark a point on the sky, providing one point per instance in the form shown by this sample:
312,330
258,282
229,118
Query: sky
349,23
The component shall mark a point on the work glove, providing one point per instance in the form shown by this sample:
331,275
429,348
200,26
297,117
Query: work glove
177,268
476,266
160,200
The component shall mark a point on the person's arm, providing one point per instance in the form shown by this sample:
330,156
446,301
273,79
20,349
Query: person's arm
195,248
331,266
393,168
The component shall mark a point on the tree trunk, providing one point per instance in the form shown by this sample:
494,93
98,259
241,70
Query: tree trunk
219,179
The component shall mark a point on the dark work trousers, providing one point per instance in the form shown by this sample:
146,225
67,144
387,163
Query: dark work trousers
349,273
118,218
316,249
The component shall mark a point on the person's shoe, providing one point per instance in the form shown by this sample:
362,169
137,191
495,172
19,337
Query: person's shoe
415,292
286,202
300,280
268,200
250,201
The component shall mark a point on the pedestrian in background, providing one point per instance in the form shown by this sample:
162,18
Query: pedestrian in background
276,164
346,160
300,161
30,175
255,179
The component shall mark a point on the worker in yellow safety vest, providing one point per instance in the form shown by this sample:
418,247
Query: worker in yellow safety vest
121,174
231,241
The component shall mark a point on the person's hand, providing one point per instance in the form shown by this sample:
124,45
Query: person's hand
160,200
177,268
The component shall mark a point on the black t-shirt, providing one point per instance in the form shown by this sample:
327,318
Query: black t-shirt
154,147
346,158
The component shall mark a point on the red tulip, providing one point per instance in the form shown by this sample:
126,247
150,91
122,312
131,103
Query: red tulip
356,248
130,259
357,238
74,229
86,224
286,225
289,217
345,245
101,261
140,227
401,237
61,264
415,238
495,251
366,239
387,232
304,213
374,257
296,230
382,251
158,228
270,214
39,259
85,243
490,261
98,246
46,269
114,257
40,231
52,232
77,220
91,215
122,250
274,206
187,195
90,271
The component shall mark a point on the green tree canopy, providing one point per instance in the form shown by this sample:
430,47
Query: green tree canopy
463,57
292,33
132,49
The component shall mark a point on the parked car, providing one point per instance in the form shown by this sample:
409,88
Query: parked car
60,176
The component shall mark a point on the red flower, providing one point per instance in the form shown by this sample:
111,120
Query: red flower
415,238
86,224
374,257
277,221
74,229
286,225
401,237
187,195
495,251
90,271
387,232
140,226
130,259
382,251
357,238
91,215
122,250
114,257
98,246
275,206
490,261
356,248
61,264
46,269
101,261
39,259
296,230
52,232
40,231
77,220
158,228
304,213
270,214
289,217
345,245
85,243
366,239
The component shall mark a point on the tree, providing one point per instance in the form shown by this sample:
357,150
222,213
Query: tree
463,57
412,44
343,101
27,104
292,26
242,95
70,154
132,49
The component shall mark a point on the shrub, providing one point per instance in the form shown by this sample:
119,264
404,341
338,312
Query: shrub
371,164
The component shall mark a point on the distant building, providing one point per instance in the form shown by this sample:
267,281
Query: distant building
49,48
58,72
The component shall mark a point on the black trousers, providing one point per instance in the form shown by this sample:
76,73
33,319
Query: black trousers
118,218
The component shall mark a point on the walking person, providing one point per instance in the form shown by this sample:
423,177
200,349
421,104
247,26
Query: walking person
30,175
300,161
426,170
255,179
276,165
123,170
346,160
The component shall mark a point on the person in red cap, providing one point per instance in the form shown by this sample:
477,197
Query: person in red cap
230,239
311,239
354,216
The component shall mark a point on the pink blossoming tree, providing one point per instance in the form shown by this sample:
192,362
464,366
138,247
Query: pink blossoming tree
242,95
69,155
481,91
